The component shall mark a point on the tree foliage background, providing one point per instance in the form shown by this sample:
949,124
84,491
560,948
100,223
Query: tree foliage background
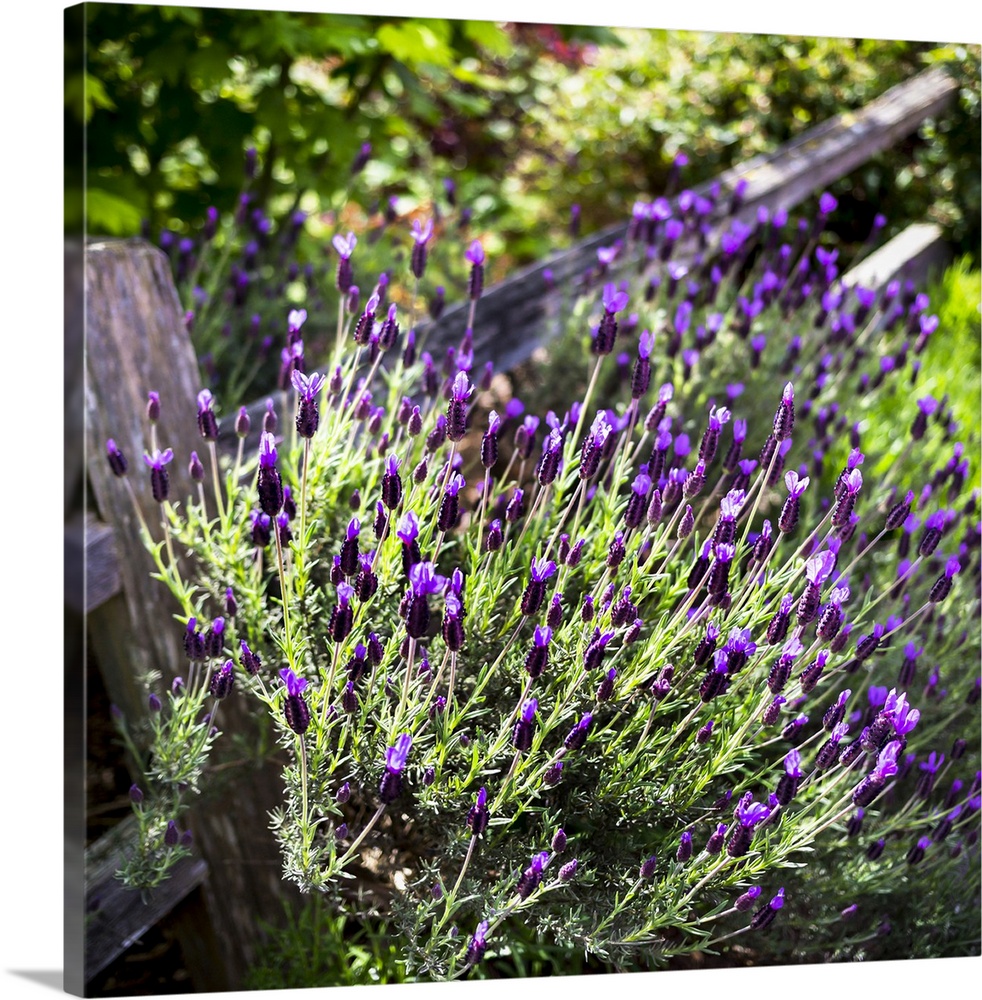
525,120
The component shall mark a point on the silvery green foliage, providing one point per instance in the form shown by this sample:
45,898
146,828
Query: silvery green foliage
630,649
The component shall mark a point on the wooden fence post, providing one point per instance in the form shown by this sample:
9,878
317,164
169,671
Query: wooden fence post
136,342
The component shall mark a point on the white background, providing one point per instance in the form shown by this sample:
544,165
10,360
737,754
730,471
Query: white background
30,161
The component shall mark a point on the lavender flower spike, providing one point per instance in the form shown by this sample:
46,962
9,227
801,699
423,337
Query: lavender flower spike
159,480
395,761
308,387
784,416
269,484
475,950
207,422
477,818
117,460
295,708
460,392
886,766
819,567
475,256
421,236
535,591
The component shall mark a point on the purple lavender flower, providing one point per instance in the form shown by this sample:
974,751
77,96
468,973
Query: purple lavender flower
222,681
886,765
269,484
422,231
252,662
475,256
788,520
342,614
308,387
535,590
714,845
641,375
684,851
345,247
777,627
828,752
784,416
538,656
836,712
477,945
748,814
747,900
716,680
348,556
781,669
117,460
933,527
295,707
524,727
614,301
395,760
207,422
788,785
766,914
460,392
159,480
478,817
449,512
578,734
531,878
818,568
153,407
772,713
942,586
916,853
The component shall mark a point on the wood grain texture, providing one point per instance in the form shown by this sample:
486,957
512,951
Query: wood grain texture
115,916
136,341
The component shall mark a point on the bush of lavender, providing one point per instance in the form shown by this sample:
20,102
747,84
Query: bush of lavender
690,654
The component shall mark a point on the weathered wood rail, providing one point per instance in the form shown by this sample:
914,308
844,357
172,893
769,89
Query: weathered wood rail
137,341
115,917
513,317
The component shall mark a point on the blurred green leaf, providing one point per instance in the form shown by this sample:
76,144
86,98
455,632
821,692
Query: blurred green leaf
415,42
84,93
107,213
489,36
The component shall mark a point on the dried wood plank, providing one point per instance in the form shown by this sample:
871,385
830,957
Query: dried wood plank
136,341
520,313
92,573
116,917
911,255
834,148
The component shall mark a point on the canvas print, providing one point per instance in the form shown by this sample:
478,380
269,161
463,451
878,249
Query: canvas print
528,517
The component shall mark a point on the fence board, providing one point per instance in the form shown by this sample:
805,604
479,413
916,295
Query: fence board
519,313
136,341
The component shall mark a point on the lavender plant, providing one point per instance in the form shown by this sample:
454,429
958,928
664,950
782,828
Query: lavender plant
637,672
237,274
